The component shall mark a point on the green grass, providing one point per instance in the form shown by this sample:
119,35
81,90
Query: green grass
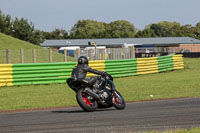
8,42
39,96
173,84
192,130
179,83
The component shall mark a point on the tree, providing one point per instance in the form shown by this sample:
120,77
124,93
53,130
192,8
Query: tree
59,34
121,29
2,22
5,23
22,29
37,37
159,30
56,34
197,31
173,28
88,29
166,29
47,35
145,33
188,30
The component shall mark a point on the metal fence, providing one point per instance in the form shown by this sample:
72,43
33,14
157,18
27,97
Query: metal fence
49,55
131,52
15,56
107,54
47,73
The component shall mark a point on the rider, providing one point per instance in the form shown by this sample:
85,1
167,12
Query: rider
80,71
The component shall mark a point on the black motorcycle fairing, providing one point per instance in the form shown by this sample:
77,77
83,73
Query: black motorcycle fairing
111,84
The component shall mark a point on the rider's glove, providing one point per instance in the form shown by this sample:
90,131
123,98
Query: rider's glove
104,73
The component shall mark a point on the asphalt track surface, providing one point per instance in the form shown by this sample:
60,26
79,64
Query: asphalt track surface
138,116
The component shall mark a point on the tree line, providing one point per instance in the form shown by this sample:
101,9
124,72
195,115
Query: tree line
24,30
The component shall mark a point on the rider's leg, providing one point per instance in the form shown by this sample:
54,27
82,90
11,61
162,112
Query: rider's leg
93,81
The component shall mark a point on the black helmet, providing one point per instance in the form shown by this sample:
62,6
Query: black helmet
82,60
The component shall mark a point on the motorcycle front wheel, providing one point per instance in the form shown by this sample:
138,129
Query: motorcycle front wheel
118,101
85,101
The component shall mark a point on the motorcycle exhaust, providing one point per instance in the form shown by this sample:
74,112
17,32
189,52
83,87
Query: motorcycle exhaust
92,93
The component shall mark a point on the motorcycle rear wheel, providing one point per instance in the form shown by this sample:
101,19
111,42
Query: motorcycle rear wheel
84,101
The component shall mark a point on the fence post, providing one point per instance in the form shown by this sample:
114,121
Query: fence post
34,55
103,54
50,55
114,53
65,55
95,50
22,55
90,55
123,53
78,53
8,56
132,52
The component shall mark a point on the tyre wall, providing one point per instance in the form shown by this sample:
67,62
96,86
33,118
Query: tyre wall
47,73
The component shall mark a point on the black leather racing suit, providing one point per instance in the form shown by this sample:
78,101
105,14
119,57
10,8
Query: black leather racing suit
80,71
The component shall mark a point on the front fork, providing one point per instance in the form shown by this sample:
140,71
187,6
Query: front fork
114,93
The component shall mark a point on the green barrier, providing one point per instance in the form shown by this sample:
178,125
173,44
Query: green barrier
165,63
48,73
121,68
41,73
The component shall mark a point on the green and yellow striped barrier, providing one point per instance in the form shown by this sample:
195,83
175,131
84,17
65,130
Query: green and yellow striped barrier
6,78
47,73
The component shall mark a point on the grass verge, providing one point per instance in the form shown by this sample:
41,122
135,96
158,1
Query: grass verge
192,130
173,84
8,42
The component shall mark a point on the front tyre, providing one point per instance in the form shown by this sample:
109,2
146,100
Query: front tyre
118,101
85,101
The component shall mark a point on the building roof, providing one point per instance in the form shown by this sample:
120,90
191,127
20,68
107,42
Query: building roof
121,41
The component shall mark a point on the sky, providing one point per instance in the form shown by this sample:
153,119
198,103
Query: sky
47,15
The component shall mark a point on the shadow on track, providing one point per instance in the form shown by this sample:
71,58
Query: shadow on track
79,111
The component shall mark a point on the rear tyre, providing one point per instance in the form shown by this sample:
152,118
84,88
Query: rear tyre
85,101
118,101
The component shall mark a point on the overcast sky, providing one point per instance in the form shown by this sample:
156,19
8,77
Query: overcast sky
50,14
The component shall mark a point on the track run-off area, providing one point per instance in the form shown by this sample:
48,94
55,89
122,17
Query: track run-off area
157,115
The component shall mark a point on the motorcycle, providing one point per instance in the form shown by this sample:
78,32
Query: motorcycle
102,94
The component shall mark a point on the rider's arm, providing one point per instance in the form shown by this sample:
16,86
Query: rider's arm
89,69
